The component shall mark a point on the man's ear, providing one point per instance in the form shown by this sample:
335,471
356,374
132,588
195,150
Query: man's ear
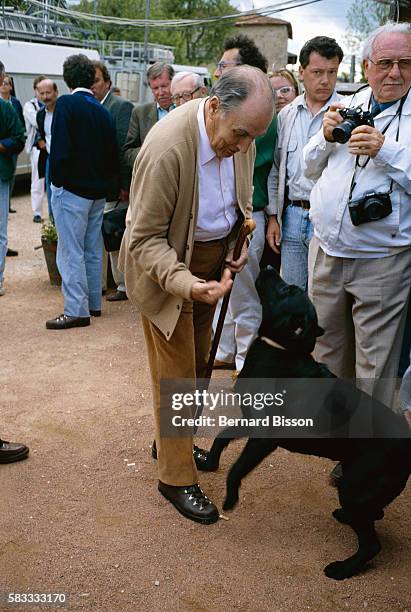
213,105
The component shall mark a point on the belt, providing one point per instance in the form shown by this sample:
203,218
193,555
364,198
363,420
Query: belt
300,203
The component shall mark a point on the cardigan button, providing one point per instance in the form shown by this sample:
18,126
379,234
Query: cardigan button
178,306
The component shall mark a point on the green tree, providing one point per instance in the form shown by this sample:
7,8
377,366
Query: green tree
193,45
363,17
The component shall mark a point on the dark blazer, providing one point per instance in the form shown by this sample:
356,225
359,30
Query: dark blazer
83,155
120,110
11,137
143,117
41,165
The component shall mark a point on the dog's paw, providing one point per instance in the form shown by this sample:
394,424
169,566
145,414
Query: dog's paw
340,570
230,502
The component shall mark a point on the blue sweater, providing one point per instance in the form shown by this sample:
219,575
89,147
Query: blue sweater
83,155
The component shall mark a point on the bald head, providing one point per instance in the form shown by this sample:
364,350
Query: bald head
240,108
48,93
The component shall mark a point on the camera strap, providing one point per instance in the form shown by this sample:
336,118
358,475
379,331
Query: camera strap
357,159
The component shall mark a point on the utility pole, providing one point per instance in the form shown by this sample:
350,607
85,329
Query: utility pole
146,33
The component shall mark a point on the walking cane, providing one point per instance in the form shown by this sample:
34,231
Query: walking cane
247,227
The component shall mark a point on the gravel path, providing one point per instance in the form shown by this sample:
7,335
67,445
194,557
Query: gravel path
82,514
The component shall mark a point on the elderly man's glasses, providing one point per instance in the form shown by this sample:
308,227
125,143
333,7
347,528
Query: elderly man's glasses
384,65
186,96
284,91
222,65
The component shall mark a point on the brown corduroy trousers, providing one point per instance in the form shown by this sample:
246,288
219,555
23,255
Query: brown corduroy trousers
183,356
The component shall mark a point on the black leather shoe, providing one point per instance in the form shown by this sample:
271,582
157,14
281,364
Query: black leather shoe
65,322
191,502
118,296
200,457
11,253
37,219
12,210
12,451
95,313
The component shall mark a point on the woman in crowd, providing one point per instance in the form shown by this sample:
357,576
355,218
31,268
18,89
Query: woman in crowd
285,86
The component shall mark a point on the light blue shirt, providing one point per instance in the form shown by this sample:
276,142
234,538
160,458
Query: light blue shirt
162,112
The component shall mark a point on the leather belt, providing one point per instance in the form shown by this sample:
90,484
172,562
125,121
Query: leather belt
301,203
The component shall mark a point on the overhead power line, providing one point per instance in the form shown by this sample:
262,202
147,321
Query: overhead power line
171,23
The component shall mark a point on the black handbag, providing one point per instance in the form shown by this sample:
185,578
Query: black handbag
114,225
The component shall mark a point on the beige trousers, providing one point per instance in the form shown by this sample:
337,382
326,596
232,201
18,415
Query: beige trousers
183,356
362,305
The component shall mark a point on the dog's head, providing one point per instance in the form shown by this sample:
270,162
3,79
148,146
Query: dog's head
289,317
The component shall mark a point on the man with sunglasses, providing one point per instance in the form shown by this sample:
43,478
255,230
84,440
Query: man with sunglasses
186,86
360,256
289,225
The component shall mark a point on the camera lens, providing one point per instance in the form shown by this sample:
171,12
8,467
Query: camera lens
342,132
373,209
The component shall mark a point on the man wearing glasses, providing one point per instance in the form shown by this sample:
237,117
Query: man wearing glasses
187,86
360,256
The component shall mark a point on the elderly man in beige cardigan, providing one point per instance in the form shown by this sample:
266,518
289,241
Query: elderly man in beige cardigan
191,190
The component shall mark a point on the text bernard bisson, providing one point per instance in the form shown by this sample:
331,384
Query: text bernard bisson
221,399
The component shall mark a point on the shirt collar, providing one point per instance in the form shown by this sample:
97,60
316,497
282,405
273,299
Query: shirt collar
302,103
82,89
105,97
205,152
381,105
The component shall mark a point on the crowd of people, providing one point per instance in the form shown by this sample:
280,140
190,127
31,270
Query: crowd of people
190,167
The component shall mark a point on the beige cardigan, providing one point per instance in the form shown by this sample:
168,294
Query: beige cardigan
159,238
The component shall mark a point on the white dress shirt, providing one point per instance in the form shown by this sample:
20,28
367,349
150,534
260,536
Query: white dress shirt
217,199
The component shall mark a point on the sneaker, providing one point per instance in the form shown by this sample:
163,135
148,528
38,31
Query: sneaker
37,219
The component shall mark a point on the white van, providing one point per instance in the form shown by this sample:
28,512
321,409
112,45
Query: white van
24,61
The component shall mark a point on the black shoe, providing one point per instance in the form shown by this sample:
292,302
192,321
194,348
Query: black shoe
191,502
65,322
200,457
95,313
12,253
336,475
118,296
12,451
37,219
12,210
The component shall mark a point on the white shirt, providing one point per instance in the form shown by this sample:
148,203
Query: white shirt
333,166
47,129
217,199
305,126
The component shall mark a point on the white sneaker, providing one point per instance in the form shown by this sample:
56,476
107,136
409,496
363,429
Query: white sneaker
2,289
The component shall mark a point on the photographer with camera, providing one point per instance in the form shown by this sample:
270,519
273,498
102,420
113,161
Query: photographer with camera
360,255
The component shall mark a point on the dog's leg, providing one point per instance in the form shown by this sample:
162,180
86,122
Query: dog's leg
253,453
220,443
343,516
368,547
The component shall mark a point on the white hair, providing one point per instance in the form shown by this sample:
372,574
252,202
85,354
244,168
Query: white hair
198,80
390,26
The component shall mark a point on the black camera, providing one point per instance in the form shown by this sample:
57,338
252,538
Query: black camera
371,207
353,117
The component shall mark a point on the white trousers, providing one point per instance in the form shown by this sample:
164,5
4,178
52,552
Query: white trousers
37,184
244,309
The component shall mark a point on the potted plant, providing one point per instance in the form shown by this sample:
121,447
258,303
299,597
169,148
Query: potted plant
49,244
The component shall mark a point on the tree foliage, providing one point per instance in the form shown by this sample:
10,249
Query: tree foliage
363,17
193,45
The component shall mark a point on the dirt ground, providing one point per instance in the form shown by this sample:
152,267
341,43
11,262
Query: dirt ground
83,516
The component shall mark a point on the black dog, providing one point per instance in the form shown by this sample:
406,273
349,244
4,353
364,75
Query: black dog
375,471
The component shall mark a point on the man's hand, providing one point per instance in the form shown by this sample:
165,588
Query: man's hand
273,234
407,415
2,148
331,119
41,144
238,265
211,292
365,140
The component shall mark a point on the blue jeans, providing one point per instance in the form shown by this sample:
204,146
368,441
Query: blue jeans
79,250
4,217
297,231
